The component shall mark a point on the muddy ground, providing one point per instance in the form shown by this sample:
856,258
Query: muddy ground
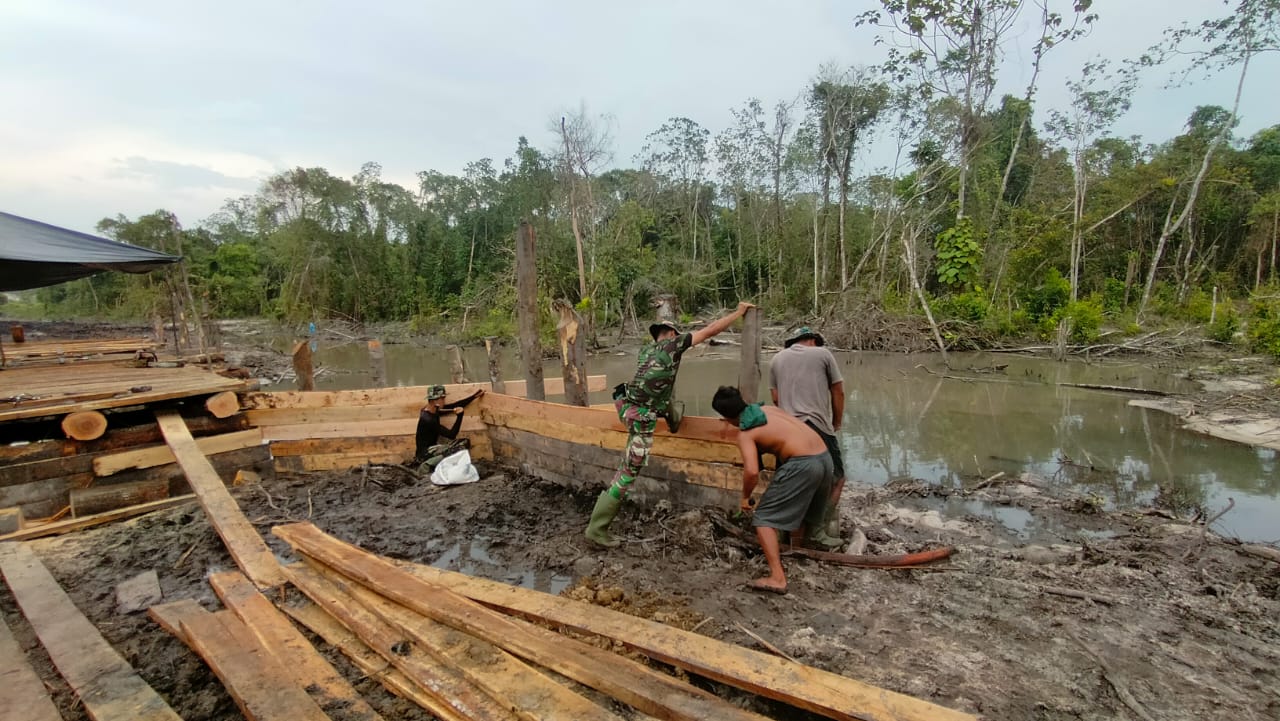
1183,624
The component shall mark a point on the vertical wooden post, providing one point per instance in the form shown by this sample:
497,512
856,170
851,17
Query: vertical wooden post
377,363
302,366
749,374
572,353
494,351
527,311
457,371
20,336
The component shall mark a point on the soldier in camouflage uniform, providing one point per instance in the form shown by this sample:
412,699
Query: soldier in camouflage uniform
641,403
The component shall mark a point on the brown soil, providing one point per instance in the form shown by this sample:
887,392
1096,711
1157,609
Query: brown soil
1191,631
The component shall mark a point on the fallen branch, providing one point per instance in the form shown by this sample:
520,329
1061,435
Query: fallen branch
1109,674
1267,552
1083,595
904,560
768,646
1118,389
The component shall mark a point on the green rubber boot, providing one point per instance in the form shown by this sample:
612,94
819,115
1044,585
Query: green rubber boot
601,516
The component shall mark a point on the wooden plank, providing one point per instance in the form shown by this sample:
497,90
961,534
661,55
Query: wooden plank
258,684
445,687
400,395
169,616
22,694
369,662
107,686
106,465
403,444
242,541
700,428
76,524
481,450
114,439
100,499
75,385
604,671
809,688
335,414
291,649
511,682
628,681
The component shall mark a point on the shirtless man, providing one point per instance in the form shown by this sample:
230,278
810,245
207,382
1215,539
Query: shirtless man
797,495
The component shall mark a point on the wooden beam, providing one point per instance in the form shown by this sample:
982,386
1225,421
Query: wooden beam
302,367
527,311
170,616
510,682
445,687
366,659
22,694
693,427
84,425
76,524
100,499
372,445
243,542
575,660
109,464
405,413
222,405
108,686
300,660
821,692
749,373
400,395
494,352
259,685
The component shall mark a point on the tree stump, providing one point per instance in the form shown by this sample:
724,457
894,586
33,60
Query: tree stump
84,425
302,367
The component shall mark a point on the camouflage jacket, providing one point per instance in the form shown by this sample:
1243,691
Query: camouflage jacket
656,373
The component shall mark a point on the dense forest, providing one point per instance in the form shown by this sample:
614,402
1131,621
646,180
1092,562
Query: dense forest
998,219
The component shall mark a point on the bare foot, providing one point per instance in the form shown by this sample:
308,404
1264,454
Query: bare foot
768,585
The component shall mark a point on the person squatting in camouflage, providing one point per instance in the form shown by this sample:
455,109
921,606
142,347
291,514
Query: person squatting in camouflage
641,403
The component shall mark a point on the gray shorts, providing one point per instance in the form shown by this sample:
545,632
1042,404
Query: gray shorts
797,495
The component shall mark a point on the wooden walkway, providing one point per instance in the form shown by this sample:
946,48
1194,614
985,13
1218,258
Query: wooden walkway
56,390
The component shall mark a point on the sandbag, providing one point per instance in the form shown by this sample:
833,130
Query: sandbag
455,469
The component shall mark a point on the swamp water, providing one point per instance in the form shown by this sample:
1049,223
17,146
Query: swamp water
903,420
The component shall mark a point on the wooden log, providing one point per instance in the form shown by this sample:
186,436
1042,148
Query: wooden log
23,696
572,658
99,499
527,311
18,334
749,372
10,520
457,369
107,686
509,681
106,465
242,541
222,405
444,686
319,622
84,425
302,367
821,692
76,524
573,354
300,660
1259,551
259,685
377,364
494,352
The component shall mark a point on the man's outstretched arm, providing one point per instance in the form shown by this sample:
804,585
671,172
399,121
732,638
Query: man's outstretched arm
718,326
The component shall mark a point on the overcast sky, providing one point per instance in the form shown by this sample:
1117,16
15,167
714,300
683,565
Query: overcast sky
132,105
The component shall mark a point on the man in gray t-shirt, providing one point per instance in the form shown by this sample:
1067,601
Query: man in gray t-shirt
805,381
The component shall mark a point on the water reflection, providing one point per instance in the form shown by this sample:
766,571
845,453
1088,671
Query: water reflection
903,421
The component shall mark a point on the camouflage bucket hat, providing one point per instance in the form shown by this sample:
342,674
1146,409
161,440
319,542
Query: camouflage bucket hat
660,326
435,393
803,333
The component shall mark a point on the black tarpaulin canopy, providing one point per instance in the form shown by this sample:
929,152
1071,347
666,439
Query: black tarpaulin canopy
35,254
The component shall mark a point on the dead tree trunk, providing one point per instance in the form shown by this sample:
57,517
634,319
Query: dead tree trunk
573,361
527,311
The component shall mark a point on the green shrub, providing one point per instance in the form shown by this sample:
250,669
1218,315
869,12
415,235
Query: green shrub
1086,319
1113,296
1225,326
971,306
1264,323
1046,299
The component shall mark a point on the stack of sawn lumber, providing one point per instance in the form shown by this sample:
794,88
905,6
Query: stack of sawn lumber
466,648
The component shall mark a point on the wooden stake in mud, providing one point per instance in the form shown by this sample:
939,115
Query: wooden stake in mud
302,366
572,353
527,311
457,369
377,363
749,375
494,351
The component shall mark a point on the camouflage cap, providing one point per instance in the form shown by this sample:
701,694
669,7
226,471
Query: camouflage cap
435,393
660,326
803,333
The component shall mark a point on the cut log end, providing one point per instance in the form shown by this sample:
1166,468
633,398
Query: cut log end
223,405
84,425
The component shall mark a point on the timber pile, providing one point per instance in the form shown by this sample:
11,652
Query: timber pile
61,389
336,430
52,351
465,648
